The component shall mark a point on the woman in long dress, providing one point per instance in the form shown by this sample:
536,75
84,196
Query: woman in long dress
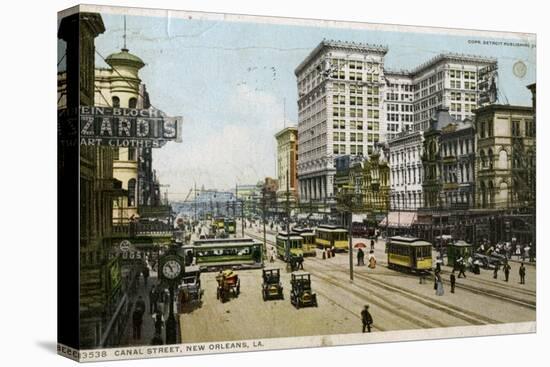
372,260
439,290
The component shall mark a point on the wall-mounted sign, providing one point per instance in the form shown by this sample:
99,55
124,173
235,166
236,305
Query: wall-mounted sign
127,127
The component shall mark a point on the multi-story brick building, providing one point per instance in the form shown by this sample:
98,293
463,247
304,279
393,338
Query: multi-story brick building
505,156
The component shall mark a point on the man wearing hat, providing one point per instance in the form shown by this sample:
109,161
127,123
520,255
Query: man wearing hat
366,318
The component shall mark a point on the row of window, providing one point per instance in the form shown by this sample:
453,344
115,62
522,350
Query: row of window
354,112
457,74
355,125
406,176
459,96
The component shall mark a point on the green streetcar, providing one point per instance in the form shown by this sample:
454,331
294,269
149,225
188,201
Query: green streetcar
230,226
216,254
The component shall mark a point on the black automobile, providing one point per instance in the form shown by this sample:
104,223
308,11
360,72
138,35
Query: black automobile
301,293
488,261
271,286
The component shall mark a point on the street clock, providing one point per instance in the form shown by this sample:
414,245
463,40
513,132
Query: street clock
171,268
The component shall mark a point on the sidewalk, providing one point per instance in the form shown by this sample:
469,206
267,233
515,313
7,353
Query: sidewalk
148,325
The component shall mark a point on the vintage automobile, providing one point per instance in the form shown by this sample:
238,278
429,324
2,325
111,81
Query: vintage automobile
228,283
271,286
301,294
488,261
190,290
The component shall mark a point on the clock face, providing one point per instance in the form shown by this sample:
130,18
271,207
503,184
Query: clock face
171,269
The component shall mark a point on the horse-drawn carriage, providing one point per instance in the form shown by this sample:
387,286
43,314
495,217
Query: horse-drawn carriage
271,286
190,290
228,283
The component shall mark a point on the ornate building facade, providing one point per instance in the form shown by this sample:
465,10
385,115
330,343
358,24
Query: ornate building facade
505,156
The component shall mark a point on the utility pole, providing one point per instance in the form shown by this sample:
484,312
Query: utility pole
350,245
287,243
263,219
242,208
195,200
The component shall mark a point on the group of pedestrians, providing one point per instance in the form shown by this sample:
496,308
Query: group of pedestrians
522,252
361,258
329,252
506,268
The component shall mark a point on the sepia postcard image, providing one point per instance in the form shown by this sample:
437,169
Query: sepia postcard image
242,183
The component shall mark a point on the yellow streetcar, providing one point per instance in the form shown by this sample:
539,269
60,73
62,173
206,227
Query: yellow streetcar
308,246
327,235
219,222
409,253
295,243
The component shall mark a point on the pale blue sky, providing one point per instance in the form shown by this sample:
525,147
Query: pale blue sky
229,80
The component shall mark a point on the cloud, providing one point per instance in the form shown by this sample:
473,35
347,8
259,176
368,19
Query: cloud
242,150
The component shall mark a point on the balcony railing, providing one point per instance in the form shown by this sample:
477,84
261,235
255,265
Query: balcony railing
151,229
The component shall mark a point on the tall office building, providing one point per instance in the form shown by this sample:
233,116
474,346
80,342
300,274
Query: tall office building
339,110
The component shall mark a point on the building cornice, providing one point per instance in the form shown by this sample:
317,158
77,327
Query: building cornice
453,57
339,45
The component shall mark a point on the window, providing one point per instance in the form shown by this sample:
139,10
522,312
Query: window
132,192
355,101
339,112
338,99
529,128
132,154
132,103
116,101
356,112
515,128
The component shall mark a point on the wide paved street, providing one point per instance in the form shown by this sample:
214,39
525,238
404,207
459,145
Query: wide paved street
397,301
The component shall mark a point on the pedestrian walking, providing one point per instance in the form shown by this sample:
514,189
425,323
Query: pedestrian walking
506,271
153,297
324,254
462,269
300,262
145,273
522,274
453,281
158,321
372,245
372,260
495,271
333,251
360,257
439,286
140,305
137,321
366,318
157,340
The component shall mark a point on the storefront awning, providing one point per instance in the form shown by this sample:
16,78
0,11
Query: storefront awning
399,220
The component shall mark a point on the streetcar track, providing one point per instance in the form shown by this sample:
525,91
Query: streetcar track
457,312
472,289
324,295
527,292
484,291
451,310
404,314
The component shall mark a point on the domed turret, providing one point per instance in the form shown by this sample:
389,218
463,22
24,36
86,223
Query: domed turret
124,58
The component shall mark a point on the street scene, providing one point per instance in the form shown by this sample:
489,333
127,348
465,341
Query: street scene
247,180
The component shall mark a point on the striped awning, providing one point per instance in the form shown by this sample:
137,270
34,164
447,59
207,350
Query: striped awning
399,220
